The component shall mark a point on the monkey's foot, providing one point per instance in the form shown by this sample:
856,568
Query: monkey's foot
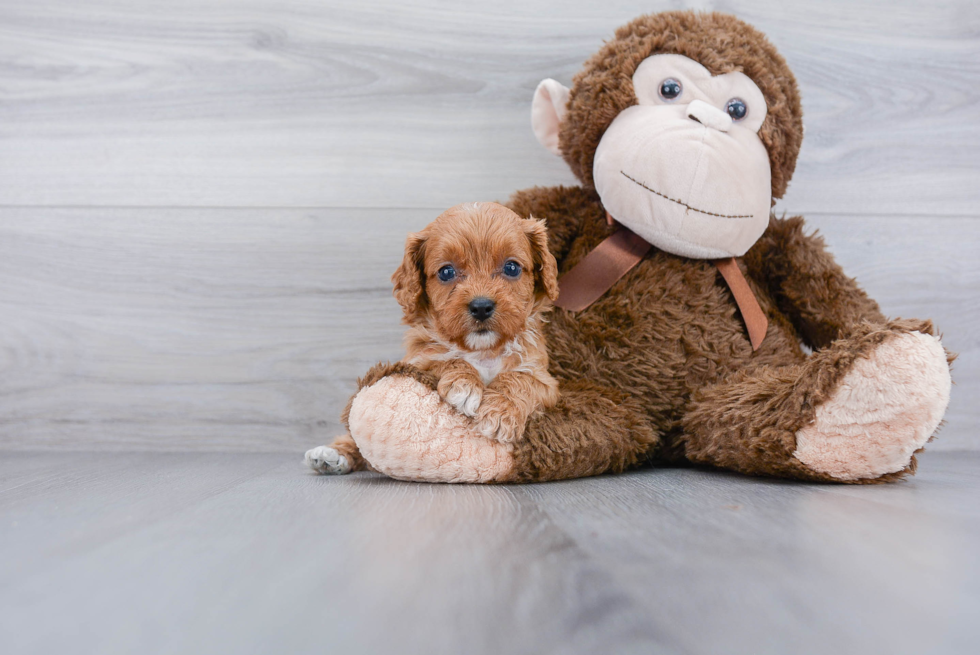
886,408
406,431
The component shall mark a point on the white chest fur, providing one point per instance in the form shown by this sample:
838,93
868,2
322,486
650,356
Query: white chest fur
487,368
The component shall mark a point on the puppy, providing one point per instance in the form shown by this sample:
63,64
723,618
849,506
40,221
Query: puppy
474,287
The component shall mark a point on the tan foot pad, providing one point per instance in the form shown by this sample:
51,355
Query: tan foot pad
885,409
406,431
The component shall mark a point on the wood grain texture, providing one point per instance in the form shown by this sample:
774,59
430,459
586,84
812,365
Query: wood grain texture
224,329
249,553
129,325
210,329
426,104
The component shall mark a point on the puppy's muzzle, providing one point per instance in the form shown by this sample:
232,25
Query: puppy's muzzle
482,308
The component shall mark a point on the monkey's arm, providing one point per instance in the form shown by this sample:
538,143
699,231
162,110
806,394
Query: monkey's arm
807,284
564,209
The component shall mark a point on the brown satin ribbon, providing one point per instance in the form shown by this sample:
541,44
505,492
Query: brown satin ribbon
600,269
755,319
616,255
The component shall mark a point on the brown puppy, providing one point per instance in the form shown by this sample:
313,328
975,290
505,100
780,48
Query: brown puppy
474,287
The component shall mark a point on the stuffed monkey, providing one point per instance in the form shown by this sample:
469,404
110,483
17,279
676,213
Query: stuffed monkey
683,300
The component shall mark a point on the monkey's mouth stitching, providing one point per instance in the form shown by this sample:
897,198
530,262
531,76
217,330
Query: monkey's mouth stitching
681,203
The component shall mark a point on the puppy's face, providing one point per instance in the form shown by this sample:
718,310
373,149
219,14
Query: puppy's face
475,274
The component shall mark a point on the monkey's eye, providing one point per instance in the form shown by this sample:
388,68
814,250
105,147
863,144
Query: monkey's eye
512,269
736,109
670,89
446,273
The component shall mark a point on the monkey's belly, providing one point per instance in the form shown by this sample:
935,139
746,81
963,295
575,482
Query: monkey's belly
668,327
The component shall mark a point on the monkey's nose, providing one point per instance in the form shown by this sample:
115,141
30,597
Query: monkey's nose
709,116
482,308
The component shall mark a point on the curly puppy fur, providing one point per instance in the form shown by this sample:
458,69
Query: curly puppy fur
491,362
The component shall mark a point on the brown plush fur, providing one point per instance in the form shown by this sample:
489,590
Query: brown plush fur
593,430
668,338
660,368
760,412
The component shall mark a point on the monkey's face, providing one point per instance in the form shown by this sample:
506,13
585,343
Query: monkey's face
685,168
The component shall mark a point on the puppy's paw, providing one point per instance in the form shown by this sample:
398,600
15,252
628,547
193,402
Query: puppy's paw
461,393
327,461
499,419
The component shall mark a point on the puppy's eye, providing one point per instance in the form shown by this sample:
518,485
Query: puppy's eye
512,269
446,273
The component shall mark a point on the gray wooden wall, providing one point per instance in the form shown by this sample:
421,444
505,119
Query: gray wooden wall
201,201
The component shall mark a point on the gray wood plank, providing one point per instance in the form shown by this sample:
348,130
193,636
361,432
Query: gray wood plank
166,553
383,103
286,561
77,503
192,329
772,567
245,329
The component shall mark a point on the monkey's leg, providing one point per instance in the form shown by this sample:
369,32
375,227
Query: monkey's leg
855,412
592,430
405,430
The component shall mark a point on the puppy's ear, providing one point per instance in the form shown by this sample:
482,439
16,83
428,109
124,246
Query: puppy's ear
409,279
545,266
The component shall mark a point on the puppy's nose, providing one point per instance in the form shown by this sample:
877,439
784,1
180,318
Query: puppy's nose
482,308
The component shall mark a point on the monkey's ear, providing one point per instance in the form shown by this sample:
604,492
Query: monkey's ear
409,279
545,266
547,111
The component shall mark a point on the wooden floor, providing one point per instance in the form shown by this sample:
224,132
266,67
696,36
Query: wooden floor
250,553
